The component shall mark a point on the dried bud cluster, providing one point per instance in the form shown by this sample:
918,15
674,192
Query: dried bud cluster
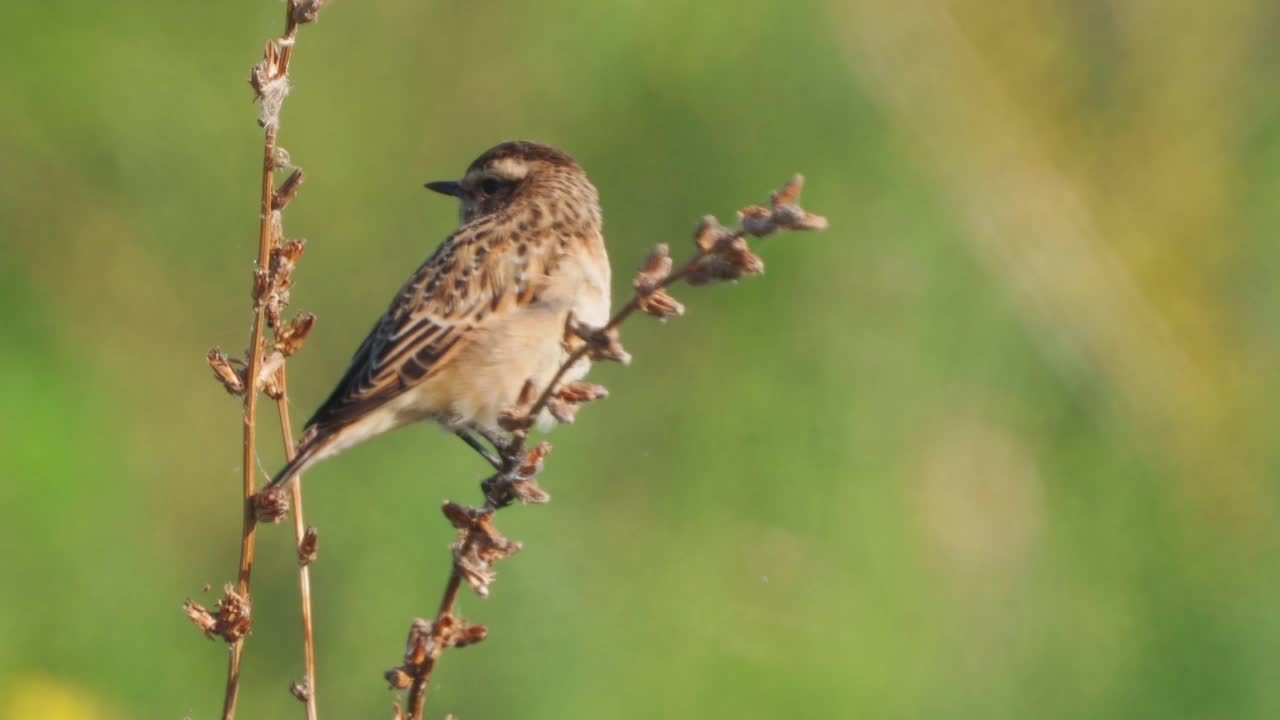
521,484
601,343
783,213
284,258
269,375
710,233
229,621
289,338
270,83
232,378
519,417
287,191
308,548
280,159
568,399
725,254
729,260
307,11
270,288
478,546
655,271
650,283
300,690
426,641
270,506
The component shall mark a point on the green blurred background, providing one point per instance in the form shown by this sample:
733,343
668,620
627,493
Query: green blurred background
1000,444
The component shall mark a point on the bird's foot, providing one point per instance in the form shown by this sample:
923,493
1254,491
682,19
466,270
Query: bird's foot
517,479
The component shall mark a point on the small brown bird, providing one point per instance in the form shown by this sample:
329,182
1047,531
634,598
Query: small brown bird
483,314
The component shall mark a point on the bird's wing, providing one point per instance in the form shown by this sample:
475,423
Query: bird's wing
480,274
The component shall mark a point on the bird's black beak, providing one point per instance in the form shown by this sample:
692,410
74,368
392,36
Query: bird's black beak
445,187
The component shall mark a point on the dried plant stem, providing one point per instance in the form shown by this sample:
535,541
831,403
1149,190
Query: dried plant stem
304,571
418,691
254,364
720,254
274,69
260,372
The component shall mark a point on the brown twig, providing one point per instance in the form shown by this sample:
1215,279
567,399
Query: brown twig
249,457
418,691
258,371
720,255
306,542
479,544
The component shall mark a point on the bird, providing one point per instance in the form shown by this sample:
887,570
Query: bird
484,313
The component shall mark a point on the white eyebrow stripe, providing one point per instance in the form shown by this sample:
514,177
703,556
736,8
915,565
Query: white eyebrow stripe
510,168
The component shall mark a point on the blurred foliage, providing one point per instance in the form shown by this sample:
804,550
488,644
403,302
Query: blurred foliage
1001,444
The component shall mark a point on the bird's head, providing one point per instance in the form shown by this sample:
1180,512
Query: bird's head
514,173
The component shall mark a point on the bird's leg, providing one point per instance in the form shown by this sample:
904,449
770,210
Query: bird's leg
474,442
499,442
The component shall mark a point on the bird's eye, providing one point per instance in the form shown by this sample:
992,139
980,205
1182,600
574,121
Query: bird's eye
490,186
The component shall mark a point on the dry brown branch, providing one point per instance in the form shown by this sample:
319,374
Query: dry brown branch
720,254
272,280
307,543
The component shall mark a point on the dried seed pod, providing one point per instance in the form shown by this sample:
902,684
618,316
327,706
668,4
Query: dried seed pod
656,269
284,259
289,252
231,378
756,220
202,617
308,11
308,548
300,690
526,492
564,412
230,620
270,85
398,679
261,285
470,635
565,402
420,643
478,574
601,344
789,193
709,233
581,392
270,506
787,213
517,418
269,373
794,217
289,339
287,190
660,304
531,463
479,544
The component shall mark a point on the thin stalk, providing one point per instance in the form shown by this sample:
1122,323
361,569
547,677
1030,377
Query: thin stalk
418,691
304,569
249,525
266,239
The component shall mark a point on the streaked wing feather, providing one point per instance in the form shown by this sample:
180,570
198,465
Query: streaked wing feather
476,276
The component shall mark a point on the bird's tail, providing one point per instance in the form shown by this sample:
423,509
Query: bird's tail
308,452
